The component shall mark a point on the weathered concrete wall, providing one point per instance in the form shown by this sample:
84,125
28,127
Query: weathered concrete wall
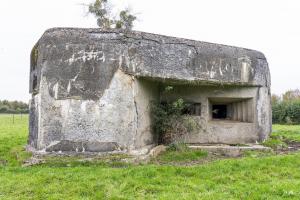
87,125
264,113
90,90
146,92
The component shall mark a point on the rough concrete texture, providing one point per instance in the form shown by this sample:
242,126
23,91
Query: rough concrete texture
91,88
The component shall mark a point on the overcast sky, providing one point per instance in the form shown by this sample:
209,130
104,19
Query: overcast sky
270,26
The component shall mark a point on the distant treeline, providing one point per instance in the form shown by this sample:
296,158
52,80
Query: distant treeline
286,108
13,107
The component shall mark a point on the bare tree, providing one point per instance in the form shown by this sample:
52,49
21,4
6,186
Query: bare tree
291,95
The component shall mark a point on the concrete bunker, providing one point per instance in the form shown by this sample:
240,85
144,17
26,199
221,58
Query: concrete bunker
92,90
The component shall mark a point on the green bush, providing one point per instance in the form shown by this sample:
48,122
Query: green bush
293,112
168,120
279,113
286,112
170,124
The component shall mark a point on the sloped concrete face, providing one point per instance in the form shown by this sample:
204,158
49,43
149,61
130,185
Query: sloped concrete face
92,89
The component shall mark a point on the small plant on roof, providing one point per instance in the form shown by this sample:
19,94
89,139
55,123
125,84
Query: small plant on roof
102,11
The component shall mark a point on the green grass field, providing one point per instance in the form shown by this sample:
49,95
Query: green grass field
252,177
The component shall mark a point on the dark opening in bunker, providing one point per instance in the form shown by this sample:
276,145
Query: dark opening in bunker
219,111
234,109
